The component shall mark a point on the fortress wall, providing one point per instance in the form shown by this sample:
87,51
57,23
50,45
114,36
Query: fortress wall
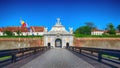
11,43
110,43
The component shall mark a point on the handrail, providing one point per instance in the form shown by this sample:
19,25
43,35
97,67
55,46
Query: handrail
99,51
18,54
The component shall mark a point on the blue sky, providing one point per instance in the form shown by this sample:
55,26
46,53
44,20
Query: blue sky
73,13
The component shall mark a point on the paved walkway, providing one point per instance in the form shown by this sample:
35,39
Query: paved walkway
57,58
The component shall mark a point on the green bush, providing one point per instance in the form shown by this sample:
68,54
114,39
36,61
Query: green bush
8,33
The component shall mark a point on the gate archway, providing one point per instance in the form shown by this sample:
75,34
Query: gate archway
58,42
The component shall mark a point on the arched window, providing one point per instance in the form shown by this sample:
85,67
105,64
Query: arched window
67,45
49,45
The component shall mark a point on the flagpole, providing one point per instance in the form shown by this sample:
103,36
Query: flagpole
19,30
19,34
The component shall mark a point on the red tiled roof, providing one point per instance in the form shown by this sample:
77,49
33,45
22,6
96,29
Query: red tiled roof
0,29
105,31
23,29
97,30
37,29
117,31
13,29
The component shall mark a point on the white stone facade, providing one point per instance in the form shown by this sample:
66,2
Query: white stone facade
34,33
97,32
26,33
58,31
1,33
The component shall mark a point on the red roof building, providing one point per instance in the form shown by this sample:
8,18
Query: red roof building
97,32
36,30
23,29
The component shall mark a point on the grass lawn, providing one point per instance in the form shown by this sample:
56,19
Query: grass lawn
110,57
96,36
6,57
75,35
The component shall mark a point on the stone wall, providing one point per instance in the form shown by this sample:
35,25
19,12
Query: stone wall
110,43
11,43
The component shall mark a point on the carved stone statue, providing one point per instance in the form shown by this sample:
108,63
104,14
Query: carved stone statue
58,21
46,29
71,30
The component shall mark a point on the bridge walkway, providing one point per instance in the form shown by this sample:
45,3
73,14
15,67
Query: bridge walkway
58,58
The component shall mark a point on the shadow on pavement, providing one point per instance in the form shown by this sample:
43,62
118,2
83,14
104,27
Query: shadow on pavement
24,61
93,61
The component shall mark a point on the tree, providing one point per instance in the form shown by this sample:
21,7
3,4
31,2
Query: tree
85,29
8,33
18,33
90,24
118,27
111,29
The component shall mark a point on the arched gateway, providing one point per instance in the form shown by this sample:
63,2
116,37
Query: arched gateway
58,36
58,43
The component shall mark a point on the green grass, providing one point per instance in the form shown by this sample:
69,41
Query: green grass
75,35
110,57
4,58
21,36
96,36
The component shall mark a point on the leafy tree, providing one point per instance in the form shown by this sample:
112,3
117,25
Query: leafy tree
111,29
85,29
90,24
118,27
18,33
8,33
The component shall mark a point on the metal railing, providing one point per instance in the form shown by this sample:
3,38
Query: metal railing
106,54
14,55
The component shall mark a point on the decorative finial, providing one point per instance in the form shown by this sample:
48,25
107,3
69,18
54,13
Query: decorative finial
71,29
58,20
46,29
